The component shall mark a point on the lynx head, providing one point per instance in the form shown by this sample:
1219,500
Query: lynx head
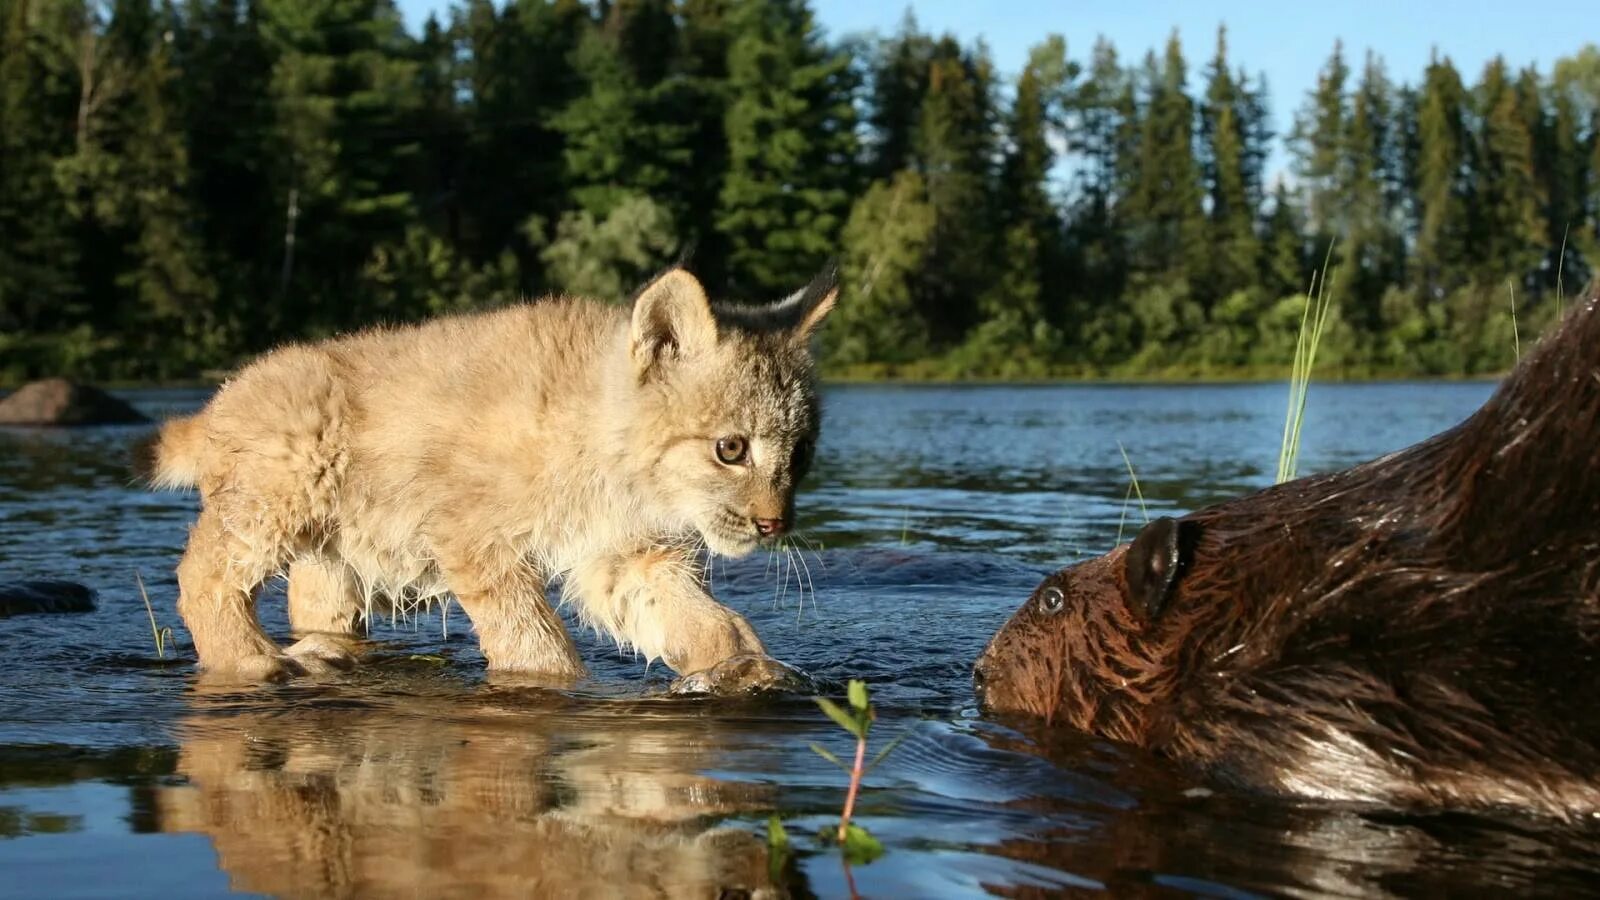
724,416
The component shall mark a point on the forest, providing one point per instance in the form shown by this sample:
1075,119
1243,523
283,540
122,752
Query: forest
184,183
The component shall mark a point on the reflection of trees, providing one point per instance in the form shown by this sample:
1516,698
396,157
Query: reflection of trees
427,799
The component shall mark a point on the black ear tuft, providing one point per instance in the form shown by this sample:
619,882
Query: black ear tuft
1156,560
686,254
816,299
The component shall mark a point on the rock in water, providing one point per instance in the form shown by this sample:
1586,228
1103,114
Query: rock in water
57,401
27,597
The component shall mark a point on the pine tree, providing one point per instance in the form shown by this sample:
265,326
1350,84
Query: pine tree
622,137
791,146
38,256
1442,153
347,118
955,151
168,273
1231,225
1102,109
900,68
1369,248
1319,141
1031,270
223,78
1508,232
1169,221
519,76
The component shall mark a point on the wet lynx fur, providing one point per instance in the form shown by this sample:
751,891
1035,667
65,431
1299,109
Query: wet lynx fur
483,456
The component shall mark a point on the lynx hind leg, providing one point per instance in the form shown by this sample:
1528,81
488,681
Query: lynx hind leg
217,580
655,602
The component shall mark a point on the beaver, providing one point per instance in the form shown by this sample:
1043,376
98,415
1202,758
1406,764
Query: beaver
1419,631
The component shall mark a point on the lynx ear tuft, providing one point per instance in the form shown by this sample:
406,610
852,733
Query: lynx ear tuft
816,300
671,319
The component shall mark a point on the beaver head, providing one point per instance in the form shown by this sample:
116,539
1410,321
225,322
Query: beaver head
1422,628
1092,648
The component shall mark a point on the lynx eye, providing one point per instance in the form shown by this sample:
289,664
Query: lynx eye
1052,600
732,450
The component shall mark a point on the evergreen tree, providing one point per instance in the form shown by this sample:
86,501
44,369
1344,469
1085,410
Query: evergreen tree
1441,179
1231,234
1031,267
38,256
956,151
1169,222
791,148
346,124
1319,141
622,137
1508,228
900,69
1369,248
1104,122
167,273
518,75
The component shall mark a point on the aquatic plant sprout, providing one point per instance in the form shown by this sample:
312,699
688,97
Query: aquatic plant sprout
1313,320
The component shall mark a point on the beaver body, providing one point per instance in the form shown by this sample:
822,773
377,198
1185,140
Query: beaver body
1422,630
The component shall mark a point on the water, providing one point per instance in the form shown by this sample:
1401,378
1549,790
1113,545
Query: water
931,514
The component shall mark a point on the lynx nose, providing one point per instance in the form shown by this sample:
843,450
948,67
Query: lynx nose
770,527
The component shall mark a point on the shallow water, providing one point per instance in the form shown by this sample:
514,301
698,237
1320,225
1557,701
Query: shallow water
931,514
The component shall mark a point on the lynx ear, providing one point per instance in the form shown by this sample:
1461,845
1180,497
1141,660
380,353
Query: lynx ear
815,301
671,318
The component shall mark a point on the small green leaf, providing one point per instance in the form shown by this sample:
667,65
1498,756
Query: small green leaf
858,694
844,719
822,751
777,837
860,846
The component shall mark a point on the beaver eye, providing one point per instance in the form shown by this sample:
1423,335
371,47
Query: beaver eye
1052,600
732,450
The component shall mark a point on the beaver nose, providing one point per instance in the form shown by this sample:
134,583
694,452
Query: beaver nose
770,527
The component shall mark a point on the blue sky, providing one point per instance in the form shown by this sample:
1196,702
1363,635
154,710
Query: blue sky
1286,40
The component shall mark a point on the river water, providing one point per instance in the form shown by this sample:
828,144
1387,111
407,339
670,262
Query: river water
931,513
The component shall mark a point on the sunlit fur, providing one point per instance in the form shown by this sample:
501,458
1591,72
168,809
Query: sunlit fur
482,456
1421,630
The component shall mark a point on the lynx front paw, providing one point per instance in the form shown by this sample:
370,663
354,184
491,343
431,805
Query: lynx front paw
745,674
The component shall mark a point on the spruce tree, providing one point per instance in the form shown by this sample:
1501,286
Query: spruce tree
791,148
38,256
1440,257
1170,241
1031,267
1508,228
1231,225
956,151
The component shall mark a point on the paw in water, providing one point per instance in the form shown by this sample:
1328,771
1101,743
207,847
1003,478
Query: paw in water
747,673
319,654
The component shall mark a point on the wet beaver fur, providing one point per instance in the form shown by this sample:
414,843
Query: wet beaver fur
1422,630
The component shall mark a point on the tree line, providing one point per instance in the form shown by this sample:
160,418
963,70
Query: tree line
185,183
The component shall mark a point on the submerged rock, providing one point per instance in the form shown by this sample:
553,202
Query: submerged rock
57,401
25,597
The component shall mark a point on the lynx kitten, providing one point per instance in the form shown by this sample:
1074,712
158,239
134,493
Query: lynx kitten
483,456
